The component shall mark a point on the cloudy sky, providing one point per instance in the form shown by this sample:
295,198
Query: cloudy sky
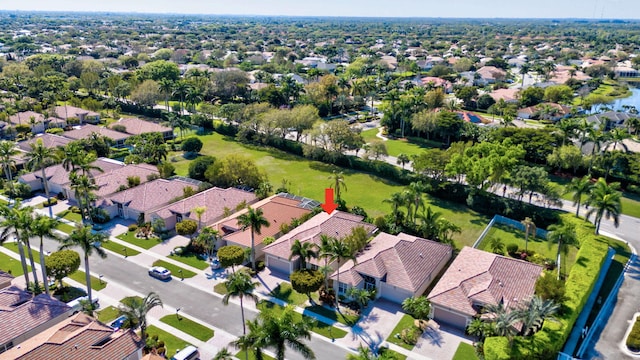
618,9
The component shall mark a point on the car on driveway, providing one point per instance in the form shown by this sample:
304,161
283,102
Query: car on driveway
159,272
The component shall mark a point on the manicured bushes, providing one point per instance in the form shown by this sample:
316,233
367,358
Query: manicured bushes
50,202
633,340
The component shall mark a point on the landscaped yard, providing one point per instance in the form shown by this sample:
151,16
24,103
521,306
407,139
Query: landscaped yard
70,215
191,260
119,248
108,314
96,284
171,342
65,228
333,315
11,265
465,352
285,292
405,322
319,327
175,270
188,326
220,288
395,147
242,356
130,237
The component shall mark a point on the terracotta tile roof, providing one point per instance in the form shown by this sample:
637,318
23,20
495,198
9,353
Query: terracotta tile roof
20,312
214,199
86,130
48,140
403,261
338,224
276,209
79,337
505,94
5,279
561,109
56,174
24,117
150,195
491,72
478,277
110,180
67,111
137,126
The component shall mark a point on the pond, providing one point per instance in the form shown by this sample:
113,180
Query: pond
617,104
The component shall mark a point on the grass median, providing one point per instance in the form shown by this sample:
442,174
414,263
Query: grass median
175,270
198,331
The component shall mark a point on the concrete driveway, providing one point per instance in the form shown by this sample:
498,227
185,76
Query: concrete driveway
440,343
375,325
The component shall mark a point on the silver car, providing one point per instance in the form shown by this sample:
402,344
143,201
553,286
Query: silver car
159,272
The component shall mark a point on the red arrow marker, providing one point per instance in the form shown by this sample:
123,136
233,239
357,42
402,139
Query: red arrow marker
328,205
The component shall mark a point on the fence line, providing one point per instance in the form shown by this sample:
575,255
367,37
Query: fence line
484,232
540,233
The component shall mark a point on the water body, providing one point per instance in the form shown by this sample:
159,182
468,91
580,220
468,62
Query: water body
633,100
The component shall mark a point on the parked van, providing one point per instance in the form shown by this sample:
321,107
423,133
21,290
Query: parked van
188,353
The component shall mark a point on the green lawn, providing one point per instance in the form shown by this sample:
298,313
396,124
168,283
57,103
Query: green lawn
405,322
65,228
174,269
11,265
395,147
130,237
191,260
331,314
465,352
190,327
220,288
70,215
127,299
108,314
120,249
319,327
96,284
171,342
242,356
285,292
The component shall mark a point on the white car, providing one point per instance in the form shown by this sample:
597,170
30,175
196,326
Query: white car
159,272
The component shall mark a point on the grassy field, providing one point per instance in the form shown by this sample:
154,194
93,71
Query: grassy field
65,228
395,147
175,270
188,326
220,288
119,248
405,322
171,342
11,265
130,237
191,260
319,327
285,292
465,352
108,314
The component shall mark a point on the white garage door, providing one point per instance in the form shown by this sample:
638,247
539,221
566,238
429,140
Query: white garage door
450,318
391,294
279,265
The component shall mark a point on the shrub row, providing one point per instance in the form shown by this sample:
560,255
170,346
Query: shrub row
582,278
633,340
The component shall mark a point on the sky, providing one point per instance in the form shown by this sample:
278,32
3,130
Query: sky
607,9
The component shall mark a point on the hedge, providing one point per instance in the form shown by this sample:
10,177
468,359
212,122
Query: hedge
546,343
633,340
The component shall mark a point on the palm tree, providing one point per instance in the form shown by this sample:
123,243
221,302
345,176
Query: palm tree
429,223
605,201
85,165
199,210
365,353
136,309
255,220
223,354
340,251
166,87
446,229
71,155
564,235
338,183
8,149
529,228
326,252
304,250
503,320
279,330
403,159
396,200
535,312
83,187
579,187
16,224
44,226
524,69
193,97
37,159
239,285
180,90
89,243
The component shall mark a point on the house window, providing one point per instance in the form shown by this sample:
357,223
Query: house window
342,288
313,267
369,282
178,217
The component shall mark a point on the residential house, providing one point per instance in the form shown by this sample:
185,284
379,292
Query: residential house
85,131
58,177
67,112
79,337
5,279
510,95
135,126
436,82
279,210
143,199
390,61
395,266
338,224
50,141
35,120
545,111
625,72
489,75
477,279
218,203
23,315
563,73
610,119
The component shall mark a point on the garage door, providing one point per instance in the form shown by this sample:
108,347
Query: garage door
279,265
391,294
450,318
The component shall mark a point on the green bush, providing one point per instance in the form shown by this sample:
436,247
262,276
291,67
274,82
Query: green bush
633,340
512,249
231,255
132,227
50,202
55,131
410,335
306,281
75,209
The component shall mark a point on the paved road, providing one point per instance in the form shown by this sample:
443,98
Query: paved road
195,302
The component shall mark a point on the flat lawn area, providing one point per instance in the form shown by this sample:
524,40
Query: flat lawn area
331,314
65,228
405,322
220,288
319,327
96,284
242,355
107,314
509,235
395,147
465,352
70,215
128,299
190,327
285,292
174,269
11,265
171,342
191,260
120,249
130,237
